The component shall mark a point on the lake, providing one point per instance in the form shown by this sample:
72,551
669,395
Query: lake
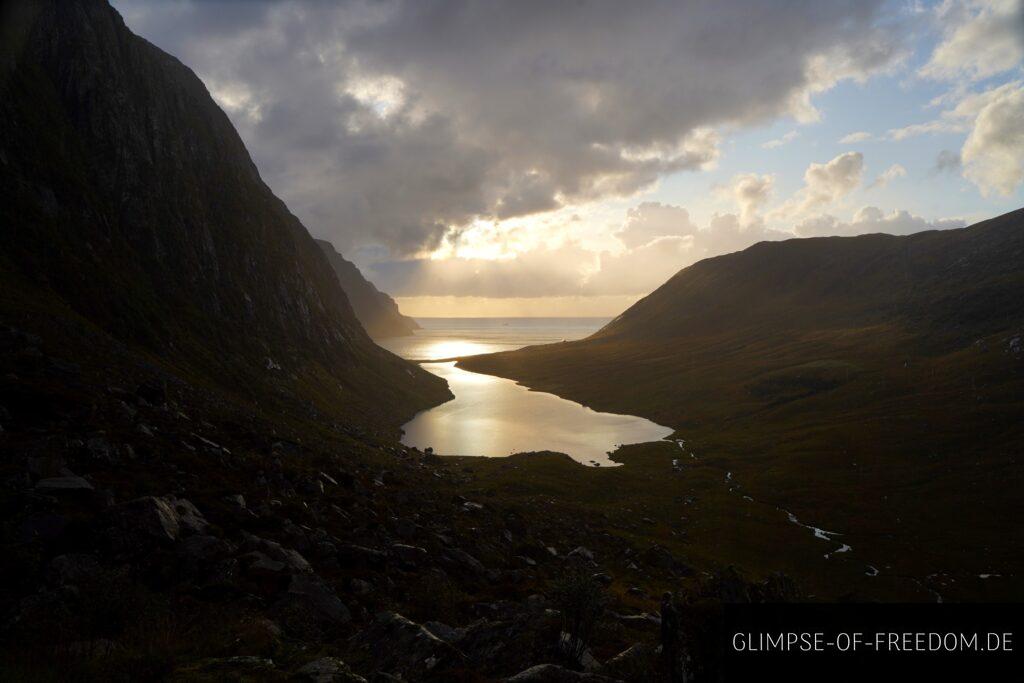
492,416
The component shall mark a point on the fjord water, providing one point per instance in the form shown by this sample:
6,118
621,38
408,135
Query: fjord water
491,416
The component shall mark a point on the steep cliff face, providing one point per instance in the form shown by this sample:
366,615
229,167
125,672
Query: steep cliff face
377,311
128,195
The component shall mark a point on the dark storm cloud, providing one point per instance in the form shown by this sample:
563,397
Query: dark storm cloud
388,123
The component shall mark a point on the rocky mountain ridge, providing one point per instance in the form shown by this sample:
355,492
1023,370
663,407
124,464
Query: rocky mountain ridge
377,311
129,198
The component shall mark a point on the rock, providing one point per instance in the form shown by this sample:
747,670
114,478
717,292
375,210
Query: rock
525,561
639,662
408,554
237,501
552,673
444,631
659,557
58,485
360,587
46,466
190,520
406,529
72,569
153,392
569,644
603,579
395,645
329,670
358,556
292,558
261,575
101,449
310,591
244,668
460,559
42,528
202,548
143,519
582,553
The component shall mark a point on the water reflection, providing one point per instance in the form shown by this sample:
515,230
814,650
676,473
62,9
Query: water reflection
491,416
441,338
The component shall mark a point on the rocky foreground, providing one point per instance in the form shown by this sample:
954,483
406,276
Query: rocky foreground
153,530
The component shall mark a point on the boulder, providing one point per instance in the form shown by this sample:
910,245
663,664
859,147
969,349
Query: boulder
460,559
658,557
142,521
310,592
329,670
190,520
393,644
202,548
244,668
581,553
72,569
552,673
291,558
61,485
408,554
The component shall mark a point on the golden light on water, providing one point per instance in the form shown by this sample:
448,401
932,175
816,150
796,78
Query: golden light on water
448,348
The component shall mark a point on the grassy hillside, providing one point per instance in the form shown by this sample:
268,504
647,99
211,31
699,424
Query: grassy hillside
874,385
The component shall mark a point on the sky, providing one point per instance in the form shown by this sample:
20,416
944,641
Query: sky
485,158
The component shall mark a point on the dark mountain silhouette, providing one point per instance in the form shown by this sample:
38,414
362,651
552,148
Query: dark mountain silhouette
780,305
128,197
377,311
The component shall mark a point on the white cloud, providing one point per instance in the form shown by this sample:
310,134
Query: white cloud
751,192
980,39
993,155
887,176
871,219
947,124
651,220
858,136
823,185
967,106
779,142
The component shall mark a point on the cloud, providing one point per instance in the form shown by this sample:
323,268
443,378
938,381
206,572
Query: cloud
948,124
850,138
751,192
397,123
947,161
779,142
993,154
887,176
651,220
871,219
657,241
823,185
980,39
959,119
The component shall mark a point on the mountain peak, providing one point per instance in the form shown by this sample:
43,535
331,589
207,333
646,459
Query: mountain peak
133,200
